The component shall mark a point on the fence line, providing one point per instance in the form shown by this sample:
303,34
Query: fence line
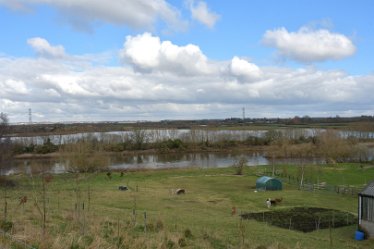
321,186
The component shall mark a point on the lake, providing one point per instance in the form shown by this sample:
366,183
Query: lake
154,161
171,160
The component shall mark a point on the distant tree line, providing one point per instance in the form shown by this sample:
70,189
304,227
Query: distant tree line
365,123
284,143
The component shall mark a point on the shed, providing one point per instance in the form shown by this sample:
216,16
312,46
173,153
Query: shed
268,183
366,209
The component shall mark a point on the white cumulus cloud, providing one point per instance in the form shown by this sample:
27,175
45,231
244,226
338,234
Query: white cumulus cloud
147,52
201,13
44,48
244,70
308,45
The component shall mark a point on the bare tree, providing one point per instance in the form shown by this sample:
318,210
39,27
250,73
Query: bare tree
3,124
303,151
5,156
5,150
84,156
139,138
332,146
240,165
278,147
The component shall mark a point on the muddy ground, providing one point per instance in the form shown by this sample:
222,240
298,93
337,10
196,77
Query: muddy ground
305,219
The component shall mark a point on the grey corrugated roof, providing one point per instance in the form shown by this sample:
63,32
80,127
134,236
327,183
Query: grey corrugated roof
368,190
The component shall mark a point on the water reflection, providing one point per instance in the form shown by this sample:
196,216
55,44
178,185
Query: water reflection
159,161
35,166
148,161
187,135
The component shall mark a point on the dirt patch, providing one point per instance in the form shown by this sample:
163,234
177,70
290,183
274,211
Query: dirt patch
305,219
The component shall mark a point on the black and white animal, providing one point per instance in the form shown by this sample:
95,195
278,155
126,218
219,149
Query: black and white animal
270,202
123,188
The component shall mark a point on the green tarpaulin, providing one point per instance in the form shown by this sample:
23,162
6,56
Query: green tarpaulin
268,183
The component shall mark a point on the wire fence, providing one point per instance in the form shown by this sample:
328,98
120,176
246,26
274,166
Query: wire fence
309,185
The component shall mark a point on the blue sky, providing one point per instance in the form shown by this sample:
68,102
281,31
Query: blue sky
186,59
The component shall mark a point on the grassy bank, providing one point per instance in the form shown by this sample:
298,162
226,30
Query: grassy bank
88,210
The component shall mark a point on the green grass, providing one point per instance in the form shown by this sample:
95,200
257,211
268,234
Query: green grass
205,209
353,174
263,126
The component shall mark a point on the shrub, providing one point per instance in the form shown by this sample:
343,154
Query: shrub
18,148
159,225
170,244
6,226
75,245
239,166
182,242
187,233
171,144
47,147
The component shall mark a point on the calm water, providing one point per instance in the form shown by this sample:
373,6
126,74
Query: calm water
159,161
153,161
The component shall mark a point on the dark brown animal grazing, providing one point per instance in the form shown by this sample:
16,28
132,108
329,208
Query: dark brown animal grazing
278,200
275,201
180,191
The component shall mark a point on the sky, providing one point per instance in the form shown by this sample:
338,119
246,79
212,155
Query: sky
129,60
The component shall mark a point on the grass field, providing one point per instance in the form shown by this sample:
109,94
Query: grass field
88,210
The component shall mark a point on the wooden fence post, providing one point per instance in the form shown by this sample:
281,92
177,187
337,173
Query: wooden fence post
145,222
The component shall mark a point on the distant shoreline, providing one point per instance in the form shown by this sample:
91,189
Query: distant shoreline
140,152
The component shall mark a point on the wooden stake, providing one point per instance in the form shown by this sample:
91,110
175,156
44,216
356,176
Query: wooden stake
145,222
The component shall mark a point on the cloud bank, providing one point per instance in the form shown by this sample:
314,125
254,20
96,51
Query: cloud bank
308,45
133,13
162,80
